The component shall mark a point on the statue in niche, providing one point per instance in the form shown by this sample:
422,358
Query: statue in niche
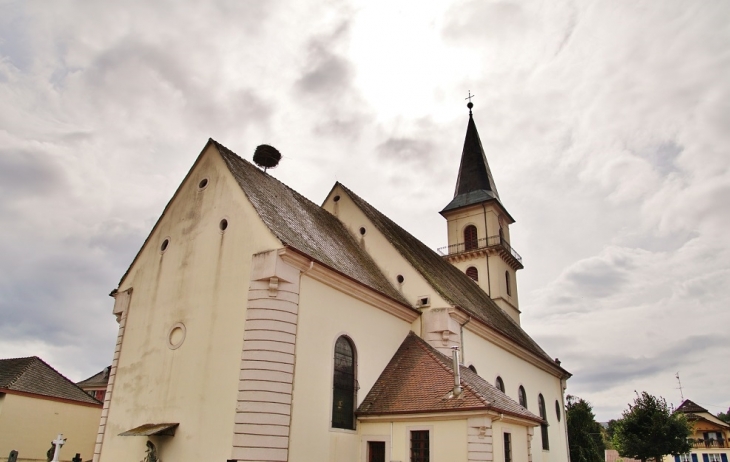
151,453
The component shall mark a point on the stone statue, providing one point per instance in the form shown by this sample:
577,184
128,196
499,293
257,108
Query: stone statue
151,453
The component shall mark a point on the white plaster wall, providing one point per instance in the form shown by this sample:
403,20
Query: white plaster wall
324,314
28,425
388,258
448,440
201,280
491,361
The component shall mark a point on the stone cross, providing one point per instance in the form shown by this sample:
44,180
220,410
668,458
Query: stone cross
58,442
13,457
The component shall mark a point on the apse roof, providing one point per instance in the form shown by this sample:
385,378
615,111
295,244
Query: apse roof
420,379
33,376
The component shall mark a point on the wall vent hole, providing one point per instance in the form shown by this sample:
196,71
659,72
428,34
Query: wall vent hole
400,279
164,245
362,230
336,198
223,224
203,183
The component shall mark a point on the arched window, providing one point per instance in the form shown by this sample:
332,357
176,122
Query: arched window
499,383
344,389
473,273
471,241
472,368
522,396
507,281
543,425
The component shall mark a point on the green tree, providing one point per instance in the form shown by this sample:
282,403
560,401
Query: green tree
724,416
648,430
585,435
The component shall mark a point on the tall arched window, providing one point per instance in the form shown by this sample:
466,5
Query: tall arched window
507,281
471,241
543,425
344,389
522,396
499,383
473,273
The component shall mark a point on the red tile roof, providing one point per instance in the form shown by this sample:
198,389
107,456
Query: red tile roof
420,379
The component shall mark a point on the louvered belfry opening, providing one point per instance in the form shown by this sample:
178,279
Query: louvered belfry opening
343,393
471,241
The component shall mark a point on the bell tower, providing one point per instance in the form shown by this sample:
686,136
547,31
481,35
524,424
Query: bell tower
478,227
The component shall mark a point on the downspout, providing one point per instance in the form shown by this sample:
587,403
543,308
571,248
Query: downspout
463,348
486,235
390,448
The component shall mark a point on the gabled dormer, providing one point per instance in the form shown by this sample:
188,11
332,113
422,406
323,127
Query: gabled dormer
478,227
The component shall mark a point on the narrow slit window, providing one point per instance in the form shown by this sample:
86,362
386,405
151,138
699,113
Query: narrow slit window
522,396
507,282
543,425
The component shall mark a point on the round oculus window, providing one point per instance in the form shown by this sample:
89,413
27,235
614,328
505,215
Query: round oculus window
176,336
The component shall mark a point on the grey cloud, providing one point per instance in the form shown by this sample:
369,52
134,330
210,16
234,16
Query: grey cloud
478,20
326,74
599,372
28,173
662,156
410,150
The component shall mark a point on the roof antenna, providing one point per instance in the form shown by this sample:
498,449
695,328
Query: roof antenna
680,386
266,156
469,104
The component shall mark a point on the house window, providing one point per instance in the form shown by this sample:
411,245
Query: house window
499,383
419,446
715,457
343,389
685,458
376,451
522,396
471,241
507,447
543,425
473,273
507,281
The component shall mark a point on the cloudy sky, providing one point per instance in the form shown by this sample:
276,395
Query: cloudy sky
606,124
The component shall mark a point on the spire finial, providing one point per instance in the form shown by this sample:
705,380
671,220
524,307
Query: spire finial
469,104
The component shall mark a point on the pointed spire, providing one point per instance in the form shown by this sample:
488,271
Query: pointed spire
474,183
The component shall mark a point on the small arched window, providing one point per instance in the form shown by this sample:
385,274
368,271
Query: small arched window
473,273
472,368
507,282
344,389
471,241
499,383
543,425
522,396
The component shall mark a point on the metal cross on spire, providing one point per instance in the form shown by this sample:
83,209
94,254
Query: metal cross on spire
469,104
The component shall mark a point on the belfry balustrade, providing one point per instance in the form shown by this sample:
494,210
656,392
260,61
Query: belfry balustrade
497,243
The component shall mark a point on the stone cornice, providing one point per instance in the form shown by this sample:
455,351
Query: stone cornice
326,275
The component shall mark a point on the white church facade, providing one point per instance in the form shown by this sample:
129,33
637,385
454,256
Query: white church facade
255,325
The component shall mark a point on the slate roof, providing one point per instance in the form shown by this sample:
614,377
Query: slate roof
32,375
100,379
453,285
474,183
420,379
300,223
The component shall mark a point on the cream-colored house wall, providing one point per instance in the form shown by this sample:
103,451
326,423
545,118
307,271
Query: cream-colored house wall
381,250
200,280
29,424
484,216
324,314
519,440
508,302
448,440
491,361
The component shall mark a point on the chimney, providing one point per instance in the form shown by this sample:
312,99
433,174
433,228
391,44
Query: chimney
457,375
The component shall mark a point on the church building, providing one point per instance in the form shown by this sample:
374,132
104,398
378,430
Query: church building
256,325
